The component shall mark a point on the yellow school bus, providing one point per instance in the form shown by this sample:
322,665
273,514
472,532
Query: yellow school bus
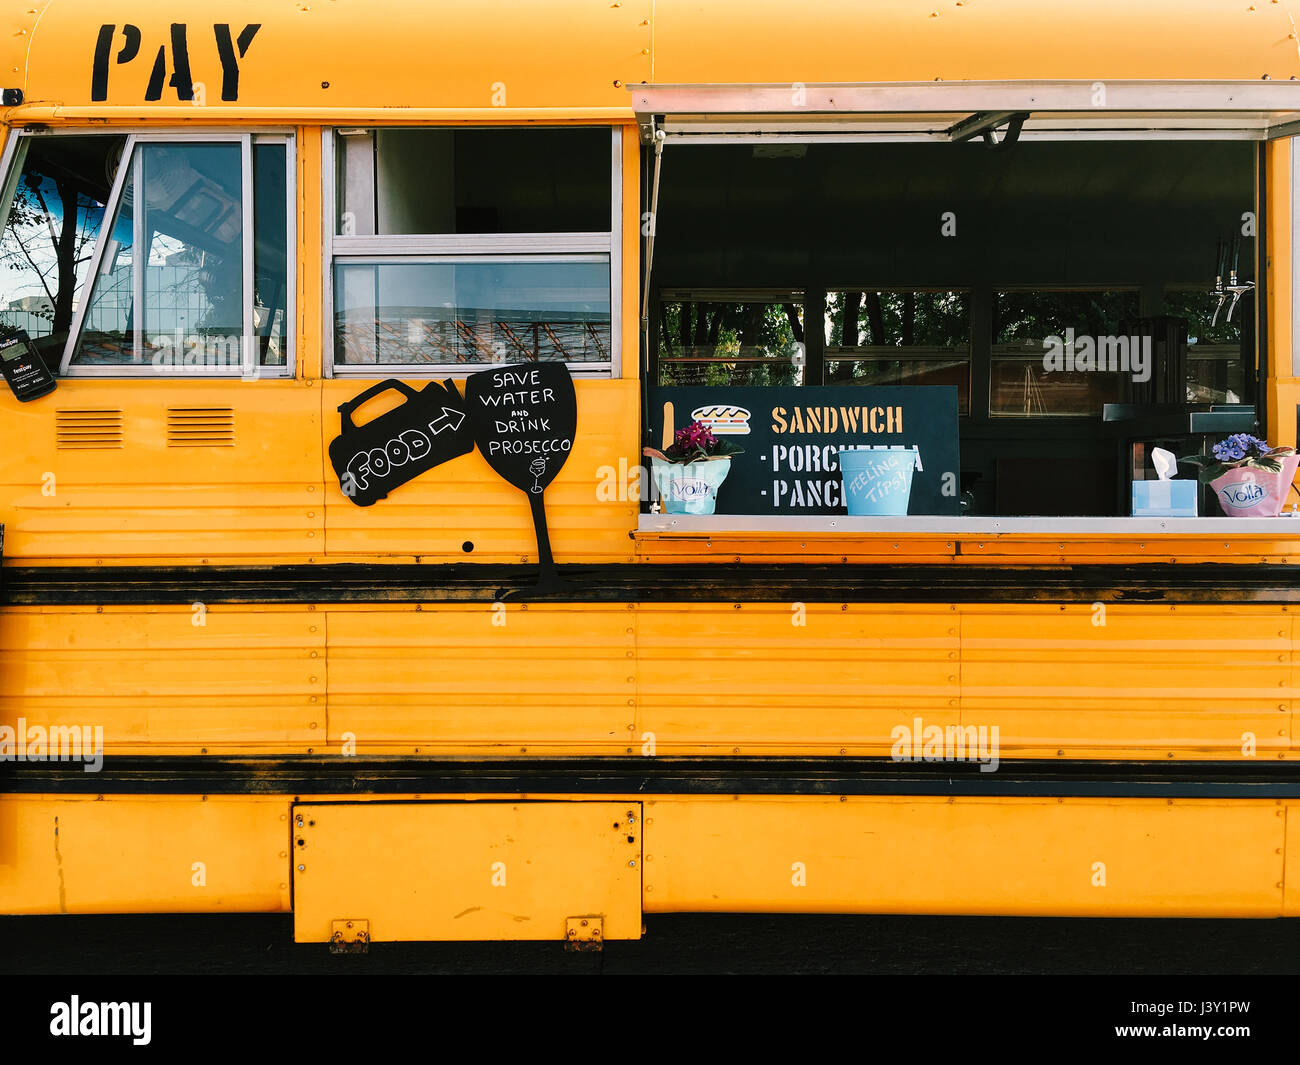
236,237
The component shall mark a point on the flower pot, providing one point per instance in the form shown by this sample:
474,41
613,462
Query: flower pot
690,487
877,483
1246,492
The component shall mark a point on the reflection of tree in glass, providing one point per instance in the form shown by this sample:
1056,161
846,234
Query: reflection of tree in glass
893,319
729,330
1198,307
1031,316
46,241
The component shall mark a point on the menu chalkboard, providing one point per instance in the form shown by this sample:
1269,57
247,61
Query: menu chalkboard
791,437
524,419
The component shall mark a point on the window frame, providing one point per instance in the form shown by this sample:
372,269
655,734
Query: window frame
249,369
395,249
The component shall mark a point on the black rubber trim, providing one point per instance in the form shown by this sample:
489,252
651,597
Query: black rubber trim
658,776
659,583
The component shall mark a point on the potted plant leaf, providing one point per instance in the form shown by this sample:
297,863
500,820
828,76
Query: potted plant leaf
688,473
1250,478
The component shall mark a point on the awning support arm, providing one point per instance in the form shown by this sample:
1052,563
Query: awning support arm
648,226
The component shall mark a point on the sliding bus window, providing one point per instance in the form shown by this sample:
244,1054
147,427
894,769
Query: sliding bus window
453,248
192,274
52,210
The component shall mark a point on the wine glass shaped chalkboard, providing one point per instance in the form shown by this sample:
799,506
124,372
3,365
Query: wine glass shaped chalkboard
524,419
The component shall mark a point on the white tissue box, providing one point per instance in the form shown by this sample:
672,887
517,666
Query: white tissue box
1164,499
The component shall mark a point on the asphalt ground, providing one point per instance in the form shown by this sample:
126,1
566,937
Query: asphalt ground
673,945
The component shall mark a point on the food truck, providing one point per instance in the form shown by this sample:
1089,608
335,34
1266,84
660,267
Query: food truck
497,471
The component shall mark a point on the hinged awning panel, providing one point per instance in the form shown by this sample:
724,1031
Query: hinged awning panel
943,111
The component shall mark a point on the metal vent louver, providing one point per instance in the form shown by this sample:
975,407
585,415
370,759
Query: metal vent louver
200,427
85,430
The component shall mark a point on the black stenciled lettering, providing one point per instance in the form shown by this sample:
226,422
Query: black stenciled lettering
103,45
226,52
154,89
180,79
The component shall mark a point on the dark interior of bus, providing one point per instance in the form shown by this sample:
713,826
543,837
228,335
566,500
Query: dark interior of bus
951,264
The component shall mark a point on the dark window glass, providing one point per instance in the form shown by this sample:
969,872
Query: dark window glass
396,181
270,252
1026,325
1216,369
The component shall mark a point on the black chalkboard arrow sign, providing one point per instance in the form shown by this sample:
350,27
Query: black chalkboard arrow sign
426,430
524,419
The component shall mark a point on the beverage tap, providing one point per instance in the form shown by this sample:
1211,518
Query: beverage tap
1220,263
1236,287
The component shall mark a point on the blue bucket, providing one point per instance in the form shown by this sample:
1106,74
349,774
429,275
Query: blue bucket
877,483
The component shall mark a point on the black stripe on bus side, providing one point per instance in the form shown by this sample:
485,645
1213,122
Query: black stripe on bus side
941,582
340,777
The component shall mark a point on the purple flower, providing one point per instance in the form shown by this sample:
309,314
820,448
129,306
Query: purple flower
695,437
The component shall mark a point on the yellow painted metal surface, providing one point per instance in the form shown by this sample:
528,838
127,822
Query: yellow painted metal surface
352,58
1291,849
95,471
1079,857
490,55
168,678
453,871
920,40
1124,682
409,867
122,854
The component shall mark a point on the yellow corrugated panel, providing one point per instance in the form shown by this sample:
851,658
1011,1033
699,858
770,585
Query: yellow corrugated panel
617,678
1291,898
791,674
1077,857
259,492
1116,546
505,676
1119,546
467,870
1129,677
243,679
179,854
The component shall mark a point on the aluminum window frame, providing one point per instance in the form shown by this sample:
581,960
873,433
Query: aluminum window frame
249,368
463,248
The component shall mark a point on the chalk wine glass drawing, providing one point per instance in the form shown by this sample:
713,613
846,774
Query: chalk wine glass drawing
1250,478
688,473
524,419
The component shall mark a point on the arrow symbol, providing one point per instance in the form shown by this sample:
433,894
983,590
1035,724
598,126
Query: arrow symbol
450,419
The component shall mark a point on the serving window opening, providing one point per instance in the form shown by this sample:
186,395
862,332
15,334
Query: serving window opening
1058,294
